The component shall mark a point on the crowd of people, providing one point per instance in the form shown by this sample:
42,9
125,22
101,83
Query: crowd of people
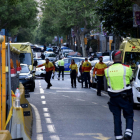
118,78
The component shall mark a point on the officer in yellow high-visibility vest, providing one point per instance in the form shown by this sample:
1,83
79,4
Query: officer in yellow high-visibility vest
121,96
61,68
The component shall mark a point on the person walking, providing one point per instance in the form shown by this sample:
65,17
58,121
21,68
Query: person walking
73,73
44,47
49,67
42,56
81,73
118,78
90,51
99,70
86,67
61,68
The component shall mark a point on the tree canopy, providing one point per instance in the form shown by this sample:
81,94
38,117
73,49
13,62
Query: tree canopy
116,16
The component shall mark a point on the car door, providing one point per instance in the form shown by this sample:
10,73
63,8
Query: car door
66,65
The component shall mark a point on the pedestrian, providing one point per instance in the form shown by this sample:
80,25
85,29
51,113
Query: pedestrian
119,77
92,57
49,67
99,70
81,73
42,56
86,67
61,68
44,47
90,50
73,73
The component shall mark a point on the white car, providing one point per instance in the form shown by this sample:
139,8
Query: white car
136,86
40,72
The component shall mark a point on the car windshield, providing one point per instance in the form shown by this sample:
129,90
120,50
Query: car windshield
132,59
66,61
24,69
25,58
50,55
39,62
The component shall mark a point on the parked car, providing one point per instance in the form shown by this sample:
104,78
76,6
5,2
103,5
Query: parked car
51,56
40,72
136,86
26,77
68,62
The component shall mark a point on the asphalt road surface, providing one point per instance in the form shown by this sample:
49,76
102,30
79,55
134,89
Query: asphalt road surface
65,113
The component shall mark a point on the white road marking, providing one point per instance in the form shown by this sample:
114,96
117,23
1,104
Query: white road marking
94,103
46,115
43,102
67,91
38,123
45,109
42,97
39,137
40,86
51,128
59,88
41,91
66,96
80,100
54,137
48,120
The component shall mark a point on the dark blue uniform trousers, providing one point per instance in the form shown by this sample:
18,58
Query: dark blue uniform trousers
87,77
116,104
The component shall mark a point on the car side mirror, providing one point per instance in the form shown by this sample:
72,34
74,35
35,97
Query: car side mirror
33,71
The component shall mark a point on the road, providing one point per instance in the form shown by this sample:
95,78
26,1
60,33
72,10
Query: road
65,113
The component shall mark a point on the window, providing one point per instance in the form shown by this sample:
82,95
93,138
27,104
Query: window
132,58
25,58
24,69
66,61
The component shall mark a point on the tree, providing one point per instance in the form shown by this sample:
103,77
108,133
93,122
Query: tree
75,14
116,16
17,14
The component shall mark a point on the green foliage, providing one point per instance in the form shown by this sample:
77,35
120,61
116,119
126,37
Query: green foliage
117,16
17,14
59,16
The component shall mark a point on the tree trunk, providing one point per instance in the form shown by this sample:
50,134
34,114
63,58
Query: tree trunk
117,42
83,45
77,40
71,40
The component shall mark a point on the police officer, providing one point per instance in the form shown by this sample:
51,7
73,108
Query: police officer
99,70
86,67
73,73
121,96
49,67
61,68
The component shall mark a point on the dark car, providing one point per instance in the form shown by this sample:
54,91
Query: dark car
26,77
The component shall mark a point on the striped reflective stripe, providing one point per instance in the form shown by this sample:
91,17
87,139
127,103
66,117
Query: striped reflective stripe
109,78
124,76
